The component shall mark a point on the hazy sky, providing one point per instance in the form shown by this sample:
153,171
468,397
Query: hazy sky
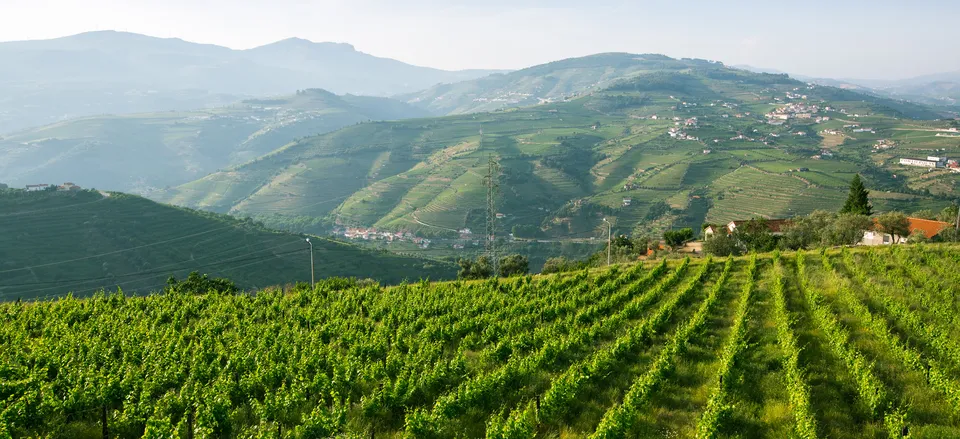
872,39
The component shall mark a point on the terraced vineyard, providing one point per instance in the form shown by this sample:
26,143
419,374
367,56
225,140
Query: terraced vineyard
843,343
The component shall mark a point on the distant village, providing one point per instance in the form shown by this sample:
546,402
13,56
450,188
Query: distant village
372,234
49,187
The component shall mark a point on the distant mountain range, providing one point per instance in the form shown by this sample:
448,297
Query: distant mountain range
144,151
115,72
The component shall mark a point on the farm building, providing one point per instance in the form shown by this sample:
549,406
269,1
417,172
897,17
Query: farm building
926,163
929,228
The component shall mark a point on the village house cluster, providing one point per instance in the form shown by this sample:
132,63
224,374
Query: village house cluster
795,111
372,234
68,186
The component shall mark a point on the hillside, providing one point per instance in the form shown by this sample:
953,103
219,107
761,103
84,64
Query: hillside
845,344
675,147
143,152
59,242
93,73
555,81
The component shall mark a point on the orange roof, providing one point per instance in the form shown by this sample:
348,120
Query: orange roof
929,228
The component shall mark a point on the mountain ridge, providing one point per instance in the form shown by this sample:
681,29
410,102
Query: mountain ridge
45,81
141,151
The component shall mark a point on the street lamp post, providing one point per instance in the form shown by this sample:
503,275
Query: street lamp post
312,281
609,226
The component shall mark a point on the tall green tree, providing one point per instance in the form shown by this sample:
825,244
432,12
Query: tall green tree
857,202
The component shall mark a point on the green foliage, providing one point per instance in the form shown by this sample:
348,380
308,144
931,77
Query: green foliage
480,268
561,264
848,229
857,201
723,244
514,265
533,355
676,238
948,215
197,284
657,210
894,223
755,235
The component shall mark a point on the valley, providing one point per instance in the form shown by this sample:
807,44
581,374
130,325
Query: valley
692,142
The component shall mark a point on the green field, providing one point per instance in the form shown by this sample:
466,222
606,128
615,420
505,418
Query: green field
54,243
843,344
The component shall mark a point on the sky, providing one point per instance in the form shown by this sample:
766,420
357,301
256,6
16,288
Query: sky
876,39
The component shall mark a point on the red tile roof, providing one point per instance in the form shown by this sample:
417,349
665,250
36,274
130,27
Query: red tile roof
929,228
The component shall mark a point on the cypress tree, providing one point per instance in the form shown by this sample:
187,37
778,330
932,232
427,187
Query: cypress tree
857,201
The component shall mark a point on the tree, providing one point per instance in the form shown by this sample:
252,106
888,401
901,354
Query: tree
557,265
755,235
858,201
722,244
927,214
514,265
197,284
948,215
479,269
950,234
622,241
894,223
848,229
808,231
676,238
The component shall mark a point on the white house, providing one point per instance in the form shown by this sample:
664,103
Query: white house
922,163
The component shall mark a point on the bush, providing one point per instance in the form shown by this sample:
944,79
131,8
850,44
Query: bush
197,284
514,265
676,238
722,244
479,269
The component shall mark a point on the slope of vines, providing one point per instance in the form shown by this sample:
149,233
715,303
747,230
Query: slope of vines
577,355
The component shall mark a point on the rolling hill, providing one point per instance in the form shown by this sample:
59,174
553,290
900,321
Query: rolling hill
142,152
80,241
687,143
555,81
47,81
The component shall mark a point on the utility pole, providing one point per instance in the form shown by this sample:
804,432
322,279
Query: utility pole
312,281
957,226
492,181
609,247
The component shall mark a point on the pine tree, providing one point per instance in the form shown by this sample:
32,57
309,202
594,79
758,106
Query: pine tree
857,201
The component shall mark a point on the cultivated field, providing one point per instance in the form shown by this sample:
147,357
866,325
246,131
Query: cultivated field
851,343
